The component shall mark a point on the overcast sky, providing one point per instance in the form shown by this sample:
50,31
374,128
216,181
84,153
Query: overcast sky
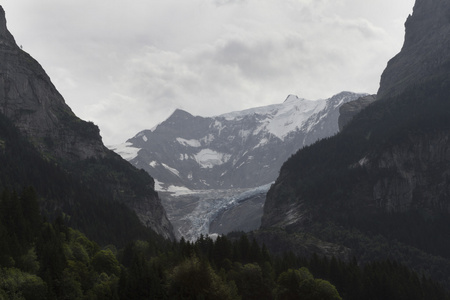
126,65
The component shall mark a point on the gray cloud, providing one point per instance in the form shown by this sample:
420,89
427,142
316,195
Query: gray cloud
126,65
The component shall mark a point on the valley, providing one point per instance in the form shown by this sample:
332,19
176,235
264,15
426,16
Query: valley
340,198
209,212
213,173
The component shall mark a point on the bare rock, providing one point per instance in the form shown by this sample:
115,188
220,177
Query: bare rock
425,51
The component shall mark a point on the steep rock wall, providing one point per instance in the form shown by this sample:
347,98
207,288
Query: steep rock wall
425,51
30,100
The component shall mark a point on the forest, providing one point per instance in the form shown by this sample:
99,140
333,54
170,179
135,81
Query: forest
50,260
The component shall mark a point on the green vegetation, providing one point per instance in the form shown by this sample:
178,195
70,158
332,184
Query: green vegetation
42,260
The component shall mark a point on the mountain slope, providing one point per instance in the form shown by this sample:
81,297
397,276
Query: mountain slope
386,175
243,149
30,102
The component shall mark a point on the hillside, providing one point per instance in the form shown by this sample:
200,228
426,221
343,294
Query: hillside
380,187
45,145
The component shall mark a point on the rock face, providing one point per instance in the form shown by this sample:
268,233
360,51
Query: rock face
399,147
29,99
426,49
350,109
411,175
421,174
384,179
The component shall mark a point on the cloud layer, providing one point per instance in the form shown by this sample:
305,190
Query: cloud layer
126,65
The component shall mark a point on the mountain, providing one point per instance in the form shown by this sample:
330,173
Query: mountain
213,173
242,149
61,143
381,186
425,51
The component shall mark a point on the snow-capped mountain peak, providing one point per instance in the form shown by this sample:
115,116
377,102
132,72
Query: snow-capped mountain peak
240,149
291,98
213,173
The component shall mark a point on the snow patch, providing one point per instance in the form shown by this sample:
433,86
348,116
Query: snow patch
184,156
158,185
174,171
126,150
219,126
208,139
191,143
178,190
153,164
261,143
244,133
208,158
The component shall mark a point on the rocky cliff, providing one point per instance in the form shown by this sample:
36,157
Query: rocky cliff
398,146
426,50
419,174
386,175
30,100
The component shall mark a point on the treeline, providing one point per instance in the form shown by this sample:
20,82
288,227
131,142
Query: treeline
42,260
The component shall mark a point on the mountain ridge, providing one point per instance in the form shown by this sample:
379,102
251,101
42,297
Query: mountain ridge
185,149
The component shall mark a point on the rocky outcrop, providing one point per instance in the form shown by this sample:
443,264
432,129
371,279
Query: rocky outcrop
425,51
279,242
30,100
417,174
411,175
350,109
